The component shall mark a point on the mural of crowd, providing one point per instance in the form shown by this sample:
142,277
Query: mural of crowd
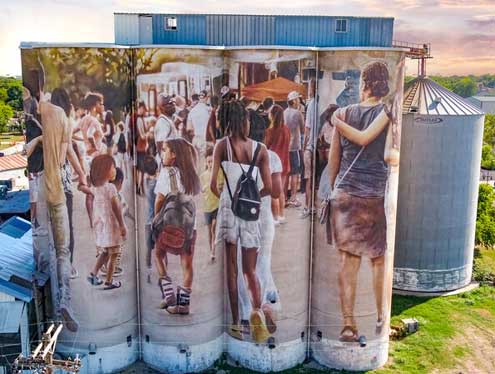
248,152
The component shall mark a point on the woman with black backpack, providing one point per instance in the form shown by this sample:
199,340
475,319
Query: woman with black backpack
245,165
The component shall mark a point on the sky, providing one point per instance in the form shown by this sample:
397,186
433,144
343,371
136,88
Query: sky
461,32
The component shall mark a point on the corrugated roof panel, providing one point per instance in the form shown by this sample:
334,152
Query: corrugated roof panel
17,202
16,260
426,97
10,316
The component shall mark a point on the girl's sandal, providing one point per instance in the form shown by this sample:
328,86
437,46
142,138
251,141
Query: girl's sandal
112,285
94,280
349,334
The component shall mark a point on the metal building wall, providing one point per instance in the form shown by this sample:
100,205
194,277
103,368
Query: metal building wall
252,30
126,28
438,193
320,31
191,29
240,30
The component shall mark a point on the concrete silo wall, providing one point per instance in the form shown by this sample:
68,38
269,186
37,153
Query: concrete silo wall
438,193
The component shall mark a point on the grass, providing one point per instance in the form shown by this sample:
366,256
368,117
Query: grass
8,140
452,331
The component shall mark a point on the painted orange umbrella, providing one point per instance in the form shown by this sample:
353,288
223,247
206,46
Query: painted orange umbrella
277,88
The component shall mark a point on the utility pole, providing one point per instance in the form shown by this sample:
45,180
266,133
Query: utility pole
41,360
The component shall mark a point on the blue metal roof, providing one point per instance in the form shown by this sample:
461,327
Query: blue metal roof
17,202
16,260
10,316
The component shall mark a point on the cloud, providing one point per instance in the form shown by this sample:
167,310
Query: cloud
458,30
482,22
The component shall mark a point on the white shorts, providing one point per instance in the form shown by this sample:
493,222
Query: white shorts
232,229
34,187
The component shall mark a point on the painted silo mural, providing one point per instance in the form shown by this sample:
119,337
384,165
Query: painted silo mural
181,271
267,264
360,97
172,195
82,195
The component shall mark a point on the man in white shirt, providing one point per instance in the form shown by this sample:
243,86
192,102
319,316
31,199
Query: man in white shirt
164,127
197,121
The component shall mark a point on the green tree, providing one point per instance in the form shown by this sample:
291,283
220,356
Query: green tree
6,113
485,220
4,96
489,132
465,87
14,93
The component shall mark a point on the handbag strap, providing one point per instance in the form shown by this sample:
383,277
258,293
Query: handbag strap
337,184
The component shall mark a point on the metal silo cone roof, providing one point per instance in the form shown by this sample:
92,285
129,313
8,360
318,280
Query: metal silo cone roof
426,97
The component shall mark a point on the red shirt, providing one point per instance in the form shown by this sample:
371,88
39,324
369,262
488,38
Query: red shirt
277,140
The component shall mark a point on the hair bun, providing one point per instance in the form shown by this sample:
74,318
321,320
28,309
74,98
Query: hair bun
379,88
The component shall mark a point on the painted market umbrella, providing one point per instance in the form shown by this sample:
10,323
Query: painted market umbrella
277,88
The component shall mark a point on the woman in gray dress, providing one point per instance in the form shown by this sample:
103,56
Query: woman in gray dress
361,151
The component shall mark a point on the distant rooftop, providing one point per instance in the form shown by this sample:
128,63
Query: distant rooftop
483,98
12,162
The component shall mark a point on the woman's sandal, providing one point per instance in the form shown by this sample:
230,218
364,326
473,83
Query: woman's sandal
270,322
112,285
349,334
235,331
257,322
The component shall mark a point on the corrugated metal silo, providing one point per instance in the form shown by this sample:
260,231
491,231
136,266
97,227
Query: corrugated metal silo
438,189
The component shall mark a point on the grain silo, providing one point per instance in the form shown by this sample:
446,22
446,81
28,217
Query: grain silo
188,337
353,252
92,273
438,189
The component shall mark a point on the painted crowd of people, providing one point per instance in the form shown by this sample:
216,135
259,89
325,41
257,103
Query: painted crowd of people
200,148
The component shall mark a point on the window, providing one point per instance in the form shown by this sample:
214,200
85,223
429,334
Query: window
170,23
341,25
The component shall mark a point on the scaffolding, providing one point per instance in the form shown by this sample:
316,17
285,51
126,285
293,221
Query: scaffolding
416,51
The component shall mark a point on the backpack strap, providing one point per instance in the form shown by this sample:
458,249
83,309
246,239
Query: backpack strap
253,162
172,174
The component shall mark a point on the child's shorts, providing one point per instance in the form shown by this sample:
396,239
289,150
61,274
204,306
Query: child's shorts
108,250
210,216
